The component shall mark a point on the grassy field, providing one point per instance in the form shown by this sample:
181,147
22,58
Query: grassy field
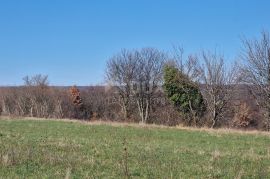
57,149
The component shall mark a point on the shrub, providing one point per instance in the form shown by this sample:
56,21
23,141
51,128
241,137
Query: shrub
184,94
244,117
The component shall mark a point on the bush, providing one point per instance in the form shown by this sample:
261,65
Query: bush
244,117
184,94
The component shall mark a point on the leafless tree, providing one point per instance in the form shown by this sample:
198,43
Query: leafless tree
255,71
188,66
36,80
120,73
136,75
8,100
38,93
217,85
22,101
148,78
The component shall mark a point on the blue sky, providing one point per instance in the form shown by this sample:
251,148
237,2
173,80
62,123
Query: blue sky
71,40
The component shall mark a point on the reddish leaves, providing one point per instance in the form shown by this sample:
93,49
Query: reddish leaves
75,96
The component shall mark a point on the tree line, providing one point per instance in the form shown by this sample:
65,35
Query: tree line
152,86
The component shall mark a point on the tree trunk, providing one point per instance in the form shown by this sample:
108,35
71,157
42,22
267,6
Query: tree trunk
143,107
214,120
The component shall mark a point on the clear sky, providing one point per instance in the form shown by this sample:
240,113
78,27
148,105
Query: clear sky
71,40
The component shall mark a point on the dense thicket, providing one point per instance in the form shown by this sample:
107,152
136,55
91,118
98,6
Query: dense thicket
93,103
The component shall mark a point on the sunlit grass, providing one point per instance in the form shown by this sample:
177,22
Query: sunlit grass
62,149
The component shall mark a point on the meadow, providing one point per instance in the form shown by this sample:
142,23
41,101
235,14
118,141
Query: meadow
42,148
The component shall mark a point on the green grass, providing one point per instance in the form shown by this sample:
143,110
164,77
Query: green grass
56,149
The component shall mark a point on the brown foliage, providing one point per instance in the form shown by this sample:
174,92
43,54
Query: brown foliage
244,116
75,96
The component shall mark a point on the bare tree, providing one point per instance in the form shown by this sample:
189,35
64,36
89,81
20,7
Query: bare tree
8,100
36,80
136,75
38,93
120,73
22,101
255,71
217,85
148,78
188,66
